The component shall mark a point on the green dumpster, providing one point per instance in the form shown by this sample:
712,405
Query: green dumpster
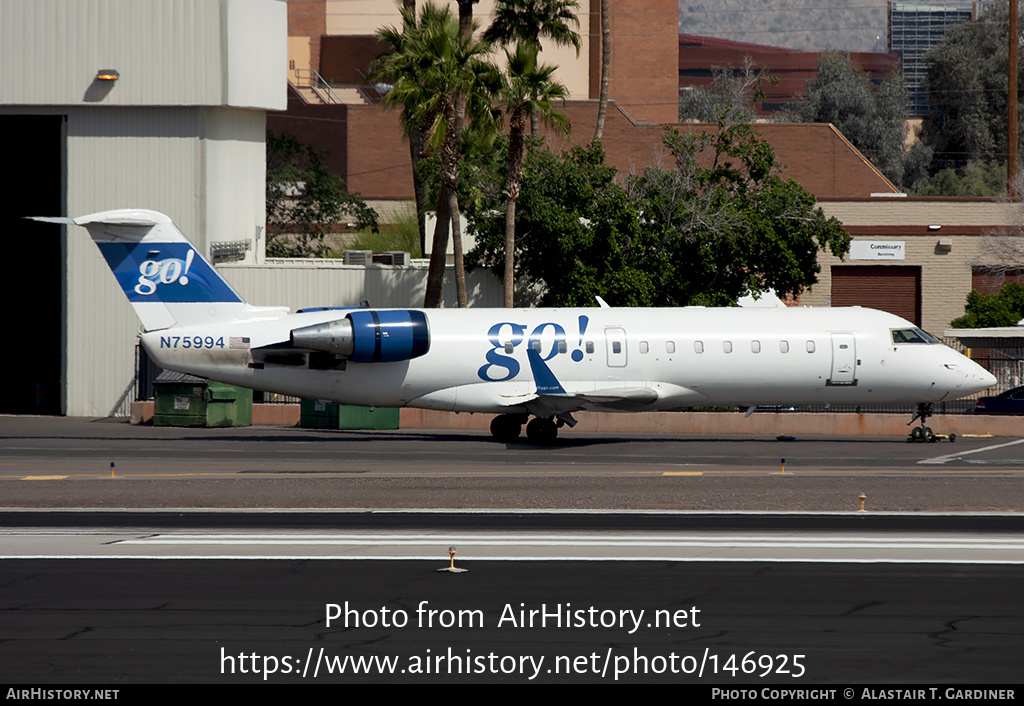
182,400
318,414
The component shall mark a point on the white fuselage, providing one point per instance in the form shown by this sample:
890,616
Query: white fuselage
550,361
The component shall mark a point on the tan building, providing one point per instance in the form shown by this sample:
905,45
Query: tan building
915,257
334,38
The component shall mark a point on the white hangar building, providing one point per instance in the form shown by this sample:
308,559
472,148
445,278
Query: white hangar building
108,104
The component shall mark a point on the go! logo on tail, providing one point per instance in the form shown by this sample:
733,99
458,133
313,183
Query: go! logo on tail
169,271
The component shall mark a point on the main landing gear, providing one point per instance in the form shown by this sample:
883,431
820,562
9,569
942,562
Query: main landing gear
924,433
507,427
540,430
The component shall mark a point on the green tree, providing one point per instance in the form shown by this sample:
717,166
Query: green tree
304,198
529,92
732,92
966,86
873,120
1003,308
720,224
975,178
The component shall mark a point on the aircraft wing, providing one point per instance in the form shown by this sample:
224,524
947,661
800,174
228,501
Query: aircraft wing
614,399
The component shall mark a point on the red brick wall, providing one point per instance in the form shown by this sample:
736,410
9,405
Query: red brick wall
988,281
644,76
369,151
341,56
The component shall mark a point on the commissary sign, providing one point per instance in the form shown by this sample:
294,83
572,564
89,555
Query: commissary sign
877,250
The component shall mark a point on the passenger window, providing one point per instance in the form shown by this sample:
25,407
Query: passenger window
616,347
698,346
562,347
810,346
590,347
755,346
784,346
535,346
727,346
643,346
509,347
670,346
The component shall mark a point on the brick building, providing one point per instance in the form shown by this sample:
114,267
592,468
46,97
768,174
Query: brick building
790,68
915,257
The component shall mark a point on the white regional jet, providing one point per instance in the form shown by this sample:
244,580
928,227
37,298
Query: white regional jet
518,363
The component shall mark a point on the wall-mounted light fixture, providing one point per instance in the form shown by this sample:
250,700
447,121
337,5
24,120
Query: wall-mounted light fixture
107,75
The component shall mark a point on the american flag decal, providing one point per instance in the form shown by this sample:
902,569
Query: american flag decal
239,342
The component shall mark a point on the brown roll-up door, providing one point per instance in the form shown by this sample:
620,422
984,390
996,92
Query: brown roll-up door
892,288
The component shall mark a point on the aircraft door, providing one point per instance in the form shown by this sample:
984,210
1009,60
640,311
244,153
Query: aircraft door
844,359
615,338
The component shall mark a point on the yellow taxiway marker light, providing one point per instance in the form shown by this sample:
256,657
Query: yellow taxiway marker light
862,497
451,568
783,462
112,469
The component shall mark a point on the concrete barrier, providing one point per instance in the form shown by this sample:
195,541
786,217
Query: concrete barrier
759,423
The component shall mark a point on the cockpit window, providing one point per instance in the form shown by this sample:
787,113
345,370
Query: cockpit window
912,335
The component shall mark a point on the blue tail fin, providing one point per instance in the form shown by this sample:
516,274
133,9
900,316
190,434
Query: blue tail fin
165,278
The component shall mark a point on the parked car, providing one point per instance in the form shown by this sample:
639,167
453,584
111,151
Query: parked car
1010,402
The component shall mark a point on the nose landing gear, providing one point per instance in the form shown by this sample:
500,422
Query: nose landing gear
924,433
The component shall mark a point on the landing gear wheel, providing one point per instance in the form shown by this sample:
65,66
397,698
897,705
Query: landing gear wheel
917,434
541,430
929,436
506,427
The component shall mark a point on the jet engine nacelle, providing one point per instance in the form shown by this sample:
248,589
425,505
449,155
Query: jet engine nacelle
369,336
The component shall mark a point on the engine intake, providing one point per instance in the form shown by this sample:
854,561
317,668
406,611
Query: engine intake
369,336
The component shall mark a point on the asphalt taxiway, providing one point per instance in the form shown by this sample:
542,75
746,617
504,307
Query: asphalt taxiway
134,555
62,462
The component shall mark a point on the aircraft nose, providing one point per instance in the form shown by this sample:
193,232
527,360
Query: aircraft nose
978,378
967,377
987,379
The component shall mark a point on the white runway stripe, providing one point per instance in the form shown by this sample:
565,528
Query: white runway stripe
952,457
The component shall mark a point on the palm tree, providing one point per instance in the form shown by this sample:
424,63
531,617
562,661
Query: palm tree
606,61
404,61
436,77
528,20
528,92
517,21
